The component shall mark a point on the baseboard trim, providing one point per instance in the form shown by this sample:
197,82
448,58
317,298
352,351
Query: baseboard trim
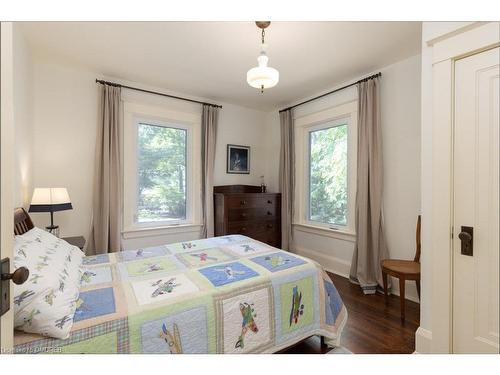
342,268
329,263
411,294
423,341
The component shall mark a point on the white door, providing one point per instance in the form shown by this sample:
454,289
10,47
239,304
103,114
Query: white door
6,168
476,192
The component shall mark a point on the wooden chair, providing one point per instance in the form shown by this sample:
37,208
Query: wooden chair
403,270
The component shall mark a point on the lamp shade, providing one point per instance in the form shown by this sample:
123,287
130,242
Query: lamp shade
50,200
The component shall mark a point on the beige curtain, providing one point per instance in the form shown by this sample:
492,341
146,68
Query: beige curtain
209,120
371,245
287,178
105,233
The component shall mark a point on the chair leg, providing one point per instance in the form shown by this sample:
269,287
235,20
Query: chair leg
323,343
418,288
384,280
402,297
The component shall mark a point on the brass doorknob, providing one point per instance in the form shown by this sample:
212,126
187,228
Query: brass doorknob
19,276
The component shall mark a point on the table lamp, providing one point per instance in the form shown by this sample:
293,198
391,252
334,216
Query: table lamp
50,200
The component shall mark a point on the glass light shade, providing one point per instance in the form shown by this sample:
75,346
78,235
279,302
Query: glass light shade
263,76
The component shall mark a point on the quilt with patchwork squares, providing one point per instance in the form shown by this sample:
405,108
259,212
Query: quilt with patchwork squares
226,294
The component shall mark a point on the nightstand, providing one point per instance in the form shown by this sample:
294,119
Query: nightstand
78,241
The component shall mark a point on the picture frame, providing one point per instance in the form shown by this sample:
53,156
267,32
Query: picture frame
238,159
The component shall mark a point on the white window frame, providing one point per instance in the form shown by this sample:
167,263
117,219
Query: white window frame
135,114
338,115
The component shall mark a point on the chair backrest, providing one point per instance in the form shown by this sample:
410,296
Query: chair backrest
417,251
22,221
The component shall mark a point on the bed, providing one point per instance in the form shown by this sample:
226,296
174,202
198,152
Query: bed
227,294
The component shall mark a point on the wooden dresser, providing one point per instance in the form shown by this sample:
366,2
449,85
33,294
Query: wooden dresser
243,209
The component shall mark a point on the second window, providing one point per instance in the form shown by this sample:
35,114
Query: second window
328,174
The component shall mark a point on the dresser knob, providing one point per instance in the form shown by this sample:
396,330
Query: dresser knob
269,225
243,229
269,213
243,215
243,203
269,201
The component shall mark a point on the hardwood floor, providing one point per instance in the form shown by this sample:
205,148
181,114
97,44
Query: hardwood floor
372,327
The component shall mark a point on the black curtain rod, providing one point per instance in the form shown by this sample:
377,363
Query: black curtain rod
331,92
154,92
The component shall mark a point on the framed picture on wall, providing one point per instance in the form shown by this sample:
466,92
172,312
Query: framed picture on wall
238,159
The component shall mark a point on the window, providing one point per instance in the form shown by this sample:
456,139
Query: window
161,169
161,173
328,175
325,150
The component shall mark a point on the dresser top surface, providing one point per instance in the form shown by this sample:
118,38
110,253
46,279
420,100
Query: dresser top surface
239,189
247,194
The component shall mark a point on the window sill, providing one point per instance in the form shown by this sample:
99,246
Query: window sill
326,232
136,232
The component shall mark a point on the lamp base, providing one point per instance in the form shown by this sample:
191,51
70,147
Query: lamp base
53,229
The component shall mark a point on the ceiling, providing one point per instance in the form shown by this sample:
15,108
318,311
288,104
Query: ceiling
210,59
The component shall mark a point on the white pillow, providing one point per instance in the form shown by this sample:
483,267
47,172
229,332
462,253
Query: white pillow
46,302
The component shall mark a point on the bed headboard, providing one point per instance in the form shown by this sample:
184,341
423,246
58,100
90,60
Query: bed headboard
22,221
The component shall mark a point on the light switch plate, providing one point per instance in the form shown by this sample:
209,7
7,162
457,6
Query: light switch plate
4,287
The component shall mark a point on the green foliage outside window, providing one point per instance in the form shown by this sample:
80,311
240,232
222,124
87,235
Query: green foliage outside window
161,168
328,175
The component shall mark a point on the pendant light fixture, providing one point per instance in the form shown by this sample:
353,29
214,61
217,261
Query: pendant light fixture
263,77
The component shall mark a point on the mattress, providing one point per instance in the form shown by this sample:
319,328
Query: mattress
226,294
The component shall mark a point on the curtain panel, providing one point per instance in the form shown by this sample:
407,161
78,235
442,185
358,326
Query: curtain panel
287,178
209,121
371,246
105,231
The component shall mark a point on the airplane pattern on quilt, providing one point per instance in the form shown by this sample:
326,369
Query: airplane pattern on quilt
226,294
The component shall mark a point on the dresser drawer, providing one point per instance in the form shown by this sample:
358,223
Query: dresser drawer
245,210
260,213
249,228
273,240
270,238
251,201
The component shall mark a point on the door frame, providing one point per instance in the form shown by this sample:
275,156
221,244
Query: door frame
438,244
6,170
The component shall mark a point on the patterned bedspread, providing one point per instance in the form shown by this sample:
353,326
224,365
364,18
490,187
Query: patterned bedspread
220,295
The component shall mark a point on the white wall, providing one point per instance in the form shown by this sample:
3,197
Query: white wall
65,115
272,143
400,108
241,126
65,120
23,118
65,112
400,117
